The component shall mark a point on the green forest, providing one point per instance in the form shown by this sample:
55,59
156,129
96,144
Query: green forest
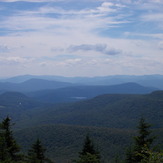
112,122
141,149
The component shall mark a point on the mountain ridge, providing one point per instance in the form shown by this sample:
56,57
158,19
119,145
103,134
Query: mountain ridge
75,93
154,80
32,85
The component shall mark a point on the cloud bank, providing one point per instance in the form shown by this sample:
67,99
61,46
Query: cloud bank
81,38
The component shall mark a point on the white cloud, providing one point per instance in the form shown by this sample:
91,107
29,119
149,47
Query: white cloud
106,7
68,21
13,60
67,41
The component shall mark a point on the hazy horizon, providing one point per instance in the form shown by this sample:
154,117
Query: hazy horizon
99,76
81,38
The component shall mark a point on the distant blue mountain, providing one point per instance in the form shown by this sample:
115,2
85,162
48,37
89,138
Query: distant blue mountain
32,85
144,80
75,93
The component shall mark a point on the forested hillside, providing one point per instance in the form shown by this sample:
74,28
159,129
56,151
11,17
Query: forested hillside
115,111
110,119
63,142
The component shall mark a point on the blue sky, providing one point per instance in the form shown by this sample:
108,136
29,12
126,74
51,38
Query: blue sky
81,37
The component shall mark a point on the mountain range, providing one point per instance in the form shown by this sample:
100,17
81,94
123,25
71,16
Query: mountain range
62,111
76,93
58,92
144,80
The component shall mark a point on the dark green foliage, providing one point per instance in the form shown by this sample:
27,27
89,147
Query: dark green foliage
8,146
37,153
129,155
88,147
88,154
141,142
10,150
3,152
88,158
64,141
153,157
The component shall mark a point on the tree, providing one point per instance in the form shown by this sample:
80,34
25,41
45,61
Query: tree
129,155
88,153
88,158
3,151
153,157
37,153
143,141
9,149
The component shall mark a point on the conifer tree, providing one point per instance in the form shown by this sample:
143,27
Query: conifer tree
141,142
3,150
88,146
9,149
37,153
129,155
88,153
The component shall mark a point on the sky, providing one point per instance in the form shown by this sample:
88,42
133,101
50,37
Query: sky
81,37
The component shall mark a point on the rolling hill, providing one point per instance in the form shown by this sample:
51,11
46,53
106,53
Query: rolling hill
109,110
32,85
112,111
76,93
15,104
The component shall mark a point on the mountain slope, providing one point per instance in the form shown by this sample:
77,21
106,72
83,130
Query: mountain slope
15,104
113,111
64,142
32,85
76,93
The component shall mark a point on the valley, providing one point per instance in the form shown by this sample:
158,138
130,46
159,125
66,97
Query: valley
108,113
